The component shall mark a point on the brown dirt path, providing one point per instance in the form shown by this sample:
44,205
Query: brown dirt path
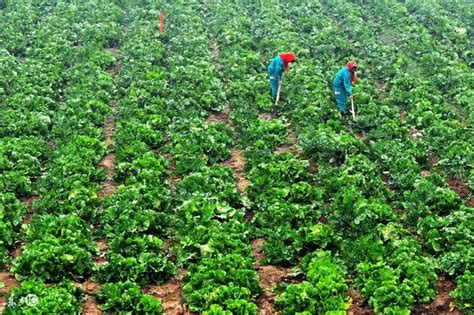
442,302
108,187
9,281
116,53
292,147
236,163
462,189
89,305
270,277
221,117
170,294
358,306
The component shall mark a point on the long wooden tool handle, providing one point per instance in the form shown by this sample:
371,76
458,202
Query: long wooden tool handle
278,93
353,109
279,90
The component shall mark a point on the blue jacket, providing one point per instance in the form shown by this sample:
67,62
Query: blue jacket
276,68
343,81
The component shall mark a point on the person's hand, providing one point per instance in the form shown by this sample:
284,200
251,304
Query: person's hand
279,82
351,96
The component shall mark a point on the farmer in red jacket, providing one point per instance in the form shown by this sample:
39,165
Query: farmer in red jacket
275,69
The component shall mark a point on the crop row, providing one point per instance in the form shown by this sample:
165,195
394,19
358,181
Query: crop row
65,94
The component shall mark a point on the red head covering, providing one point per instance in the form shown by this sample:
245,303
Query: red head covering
351,65
287,58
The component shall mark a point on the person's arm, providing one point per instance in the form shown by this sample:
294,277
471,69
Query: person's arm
279,67
348,82
271,68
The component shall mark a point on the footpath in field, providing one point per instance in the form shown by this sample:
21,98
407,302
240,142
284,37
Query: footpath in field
107,188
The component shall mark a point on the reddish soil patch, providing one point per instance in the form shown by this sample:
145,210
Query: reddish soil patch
100,258
108,162
90,305
459,187
221,117
90,287
29,201
170,295
323,220
358,306
432,159
441,304
360,136
293,144
9,281
313,167
102,245
109,129
99,261
107,188
270,277
27,219
17,251
462,189
236,163
266,116
173,180
425,173
385,176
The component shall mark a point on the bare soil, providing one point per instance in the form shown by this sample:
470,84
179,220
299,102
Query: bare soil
359,136
29,201
425,173
433,159
17,251
26,221
313,167
100,259
107,188
385,178
90,305
103,247
462,189
9,281
108,163
358,306
116,53
441,304
221,117
109,128
292,147
266,116
270,277
170,295
236,164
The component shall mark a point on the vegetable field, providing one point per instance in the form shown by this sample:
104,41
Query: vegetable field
150,173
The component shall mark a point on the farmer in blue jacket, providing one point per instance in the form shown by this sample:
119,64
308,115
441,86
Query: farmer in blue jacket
275,69
342,85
